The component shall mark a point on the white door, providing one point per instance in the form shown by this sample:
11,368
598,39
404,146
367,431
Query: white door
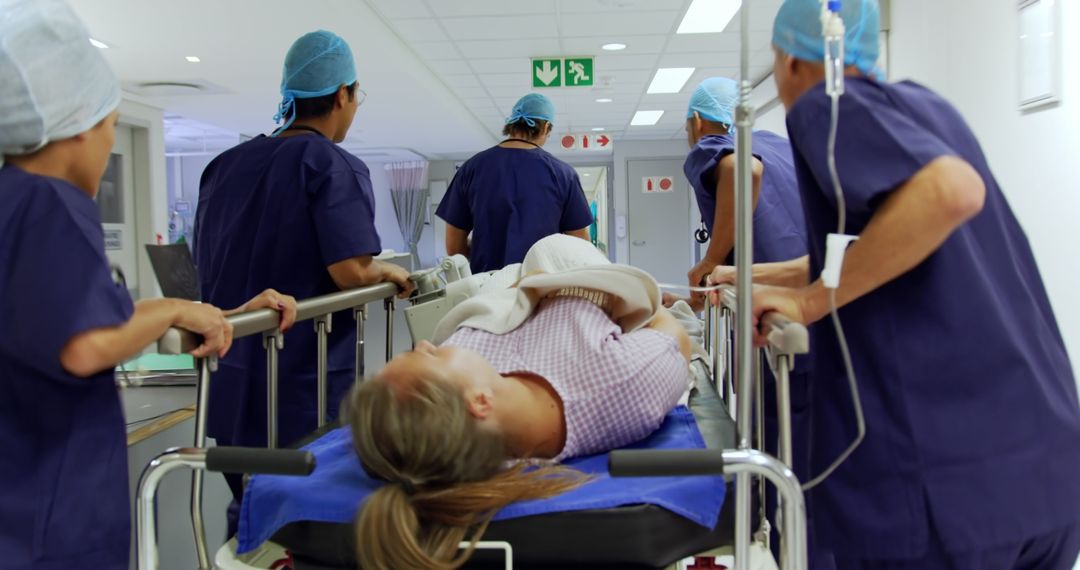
659,207
116,201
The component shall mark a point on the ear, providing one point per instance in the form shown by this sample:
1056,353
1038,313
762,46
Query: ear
342,98
480,404
695,121
793,66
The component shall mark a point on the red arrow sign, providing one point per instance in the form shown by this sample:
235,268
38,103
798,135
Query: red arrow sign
603,140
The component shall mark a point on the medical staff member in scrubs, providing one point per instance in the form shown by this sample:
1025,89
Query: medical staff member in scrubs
972,442
514,194
64,323
296,212
779,231
779,225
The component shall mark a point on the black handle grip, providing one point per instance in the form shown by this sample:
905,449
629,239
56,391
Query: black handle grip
666,463
257,460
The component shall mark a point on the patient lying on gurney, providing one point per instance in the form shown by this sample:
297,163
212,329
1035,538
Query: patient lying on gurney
586,371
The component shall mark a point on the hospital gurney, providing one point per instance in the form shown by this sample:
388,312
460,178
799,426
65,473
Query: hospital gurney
640,535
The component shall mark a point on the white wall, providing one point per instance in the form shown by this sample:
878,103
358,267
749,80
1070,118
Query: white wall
151,201
967,51
772,120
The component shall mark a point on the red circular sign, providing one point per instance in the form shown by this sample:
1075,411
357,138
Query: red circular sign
665,184
568,141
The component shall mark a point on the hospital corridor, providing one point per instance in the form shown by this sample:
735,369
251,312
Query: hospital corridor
539,284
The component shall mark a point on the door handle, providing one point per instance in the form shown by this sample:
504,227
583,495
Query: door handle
638,243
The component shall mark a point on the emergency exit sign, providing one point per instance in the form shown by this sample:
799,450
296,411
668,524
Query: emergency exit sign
562,72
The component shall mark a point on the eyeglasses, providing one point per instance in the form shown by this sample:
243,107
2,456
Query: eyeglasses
361,95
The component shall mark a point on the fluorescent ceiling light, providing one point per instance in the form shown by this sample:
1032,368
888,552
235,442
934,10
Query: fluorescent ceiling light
708,16
99,44
644,118
670,79
598,129
193,59
586,174
613,47
604,100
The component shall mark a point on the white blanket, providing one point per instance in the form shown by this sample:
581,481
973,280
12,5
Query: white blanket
554,263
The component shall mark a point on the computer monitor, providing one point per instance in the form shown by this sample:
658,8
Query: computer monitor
175,271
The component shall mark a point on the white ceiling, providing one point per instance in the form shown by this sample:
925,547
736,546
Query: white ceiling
441,75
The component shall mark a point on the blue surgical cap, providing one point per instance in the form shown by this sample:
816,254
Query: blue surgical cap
531,108
715,99
317,64
53,83
797,32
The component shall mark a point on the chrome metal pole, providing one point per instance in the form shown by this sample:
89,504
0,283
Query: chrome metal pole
273,341
322,331
390,307
710,316
743,462
719,371
783,409
146,508
764,527
202,404
729,360
744,260
783,413
360,316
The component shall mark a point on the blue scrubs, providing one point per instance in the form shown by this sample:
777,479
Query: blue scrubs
779,223
63,479
511,198
973,426
274,213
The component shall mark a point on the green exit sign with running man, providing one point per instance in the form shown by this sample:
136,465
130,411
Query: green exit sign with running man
562,72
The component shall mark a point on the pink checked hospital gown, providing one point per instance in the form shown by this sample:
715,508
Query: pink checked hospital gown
616,388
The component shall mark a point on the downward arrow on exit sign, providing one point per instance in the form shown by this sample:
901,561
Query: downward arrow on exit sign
547,72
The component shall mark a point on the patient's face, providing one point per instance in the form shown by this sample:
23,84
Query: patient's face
459,366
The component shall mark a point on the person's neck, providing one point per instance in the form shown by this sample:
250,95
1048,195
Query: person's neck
324,125
532,421
521,142
711,131
50,162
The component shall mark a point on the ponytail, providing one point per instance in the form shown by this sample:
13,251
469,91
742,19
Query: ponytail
446,476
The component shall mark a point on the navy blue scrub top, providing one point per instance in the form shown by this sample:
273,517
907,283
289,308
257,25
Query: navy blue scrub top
63,479
511,198
274,213
779,223
971,407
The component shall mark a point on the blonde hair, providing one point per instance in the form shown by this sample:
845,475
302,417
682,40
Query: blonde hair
446,475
